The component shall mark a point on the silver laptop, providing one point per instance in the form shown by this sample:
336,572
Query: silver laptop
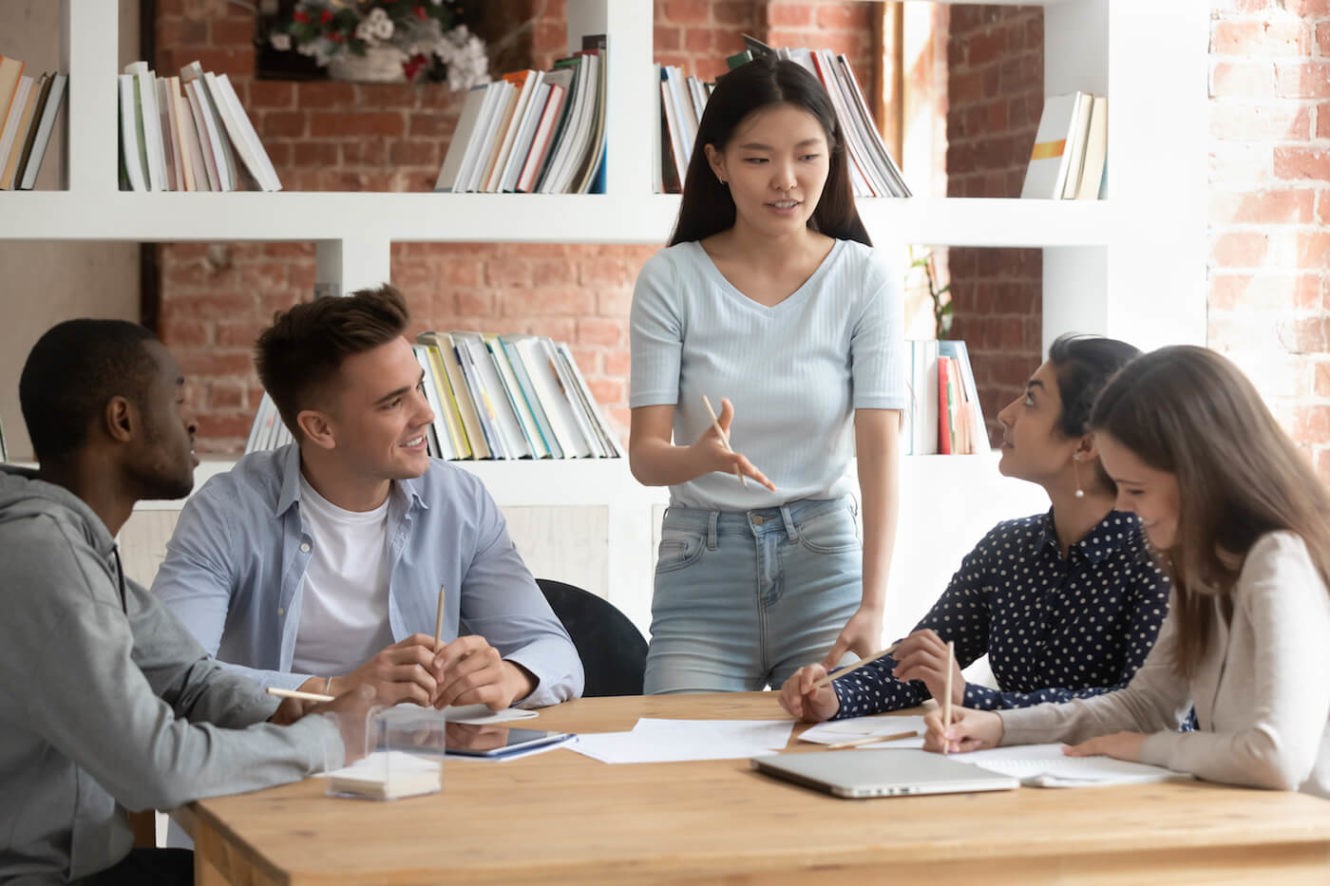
882,773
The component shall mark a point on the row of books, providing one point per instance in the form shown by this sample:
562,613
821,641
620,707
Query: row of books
493,397
682,100
533,131
872,170
28,109
1069,158
945,417
184,133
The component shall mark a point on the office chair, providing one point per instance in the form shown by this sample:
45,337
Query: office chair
612,649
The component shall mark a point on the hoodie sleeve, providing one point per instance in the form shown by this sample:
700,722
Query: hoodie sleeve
86,694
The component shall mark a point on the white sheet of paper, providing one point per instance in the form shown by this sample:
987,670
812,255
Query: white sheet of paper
1045,766
855,728
667,741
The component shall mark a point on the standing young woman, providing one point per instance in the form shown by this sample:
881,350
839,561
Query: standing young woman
1065,604
770,302
1242,525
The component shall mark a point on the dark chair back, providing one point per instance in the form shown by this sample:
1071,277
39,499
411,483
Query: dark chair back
612,649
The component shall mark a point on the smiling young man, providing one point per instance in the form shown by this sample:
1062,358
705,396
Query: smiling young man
106,702
318,566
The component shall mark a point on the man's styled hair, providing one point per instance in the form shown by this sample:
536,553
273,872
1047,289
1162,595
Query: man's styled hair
298,356
71,373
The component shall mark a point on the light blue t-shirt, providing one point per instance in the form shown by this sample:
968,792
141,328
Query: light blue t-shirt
795,371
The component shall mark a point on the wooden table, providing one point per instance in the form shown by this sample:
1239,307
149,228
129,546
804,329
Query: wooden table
562,817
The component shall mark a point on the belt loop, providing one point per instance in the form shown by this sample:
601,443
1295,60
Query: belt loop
790,530
712,519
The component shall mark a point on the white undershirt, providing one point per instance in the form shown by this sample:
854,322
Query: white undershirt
344,605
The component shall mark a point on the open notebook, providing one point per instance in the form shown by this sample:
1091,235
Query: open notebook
1045,766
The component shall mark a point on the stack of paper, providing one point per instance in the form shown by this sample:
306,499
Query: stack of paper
862,728
669,741
387,775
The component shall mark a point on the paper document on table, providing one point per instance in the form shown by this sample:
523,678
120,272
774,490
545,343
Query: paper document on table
669,741
481,715
1045,766
860,728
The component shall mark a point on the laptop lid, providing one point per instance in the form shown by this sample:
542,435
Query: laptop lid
882,773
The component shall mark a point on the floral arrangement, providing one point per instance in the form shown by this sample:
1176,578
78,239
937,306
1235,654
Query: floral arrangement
423,31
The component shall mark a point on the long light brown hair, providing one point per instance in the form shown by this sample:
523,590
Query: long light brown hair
1189,412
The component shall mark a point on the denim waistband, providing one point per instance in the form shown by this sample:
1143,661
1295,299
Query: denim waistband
760,521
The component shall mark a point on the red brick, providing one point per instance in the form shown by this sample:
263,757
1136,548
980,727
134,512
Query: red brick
687,12
667,38
1288,292
786,14
363,123
211,363
552,301
179,332
1251,39
316,154
228,395
223,431
1266,121
1312,164
508,273
329,94
619,364
1286,206
557,328
276,94
844,16
181,32
614,303
1314,250
1323,38
282,124
242,333
607,390
1322,371
365,152
1302,79
1311,424
1323,207
475,302
1242,79
602,331
231,31
1307,9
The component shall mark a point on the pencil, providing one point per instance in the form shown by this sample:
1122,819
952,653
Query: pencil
296,693
438,622
866,660
872,739
724,437
946,693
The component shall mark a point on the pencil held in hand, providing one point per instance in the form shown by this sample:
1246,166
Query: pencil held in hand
438,622
872,739
724,437
946,693
296,693
863,662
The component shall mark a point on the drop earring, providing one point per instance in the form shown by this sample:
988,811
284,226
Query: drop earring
1076,468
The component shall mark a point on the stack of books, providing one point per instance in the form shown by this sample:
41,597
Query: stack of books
1068,161
493,397
682,100
533,131
945,417
872,171
184,133
28,109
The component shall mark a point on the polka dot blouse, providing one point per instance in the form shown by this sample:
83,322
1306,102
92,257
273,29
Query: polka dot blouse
1053,628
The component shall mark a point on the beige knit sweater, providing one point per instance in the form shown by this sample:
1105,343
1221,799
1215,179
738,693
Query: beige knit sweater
1262,692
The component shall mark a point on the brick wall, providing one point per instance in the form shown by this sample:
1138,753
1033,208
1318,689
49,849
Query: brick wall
384,137
1270,205
995,94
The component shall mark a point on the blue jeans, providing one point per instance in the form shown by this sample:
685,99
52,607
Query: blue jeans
743,599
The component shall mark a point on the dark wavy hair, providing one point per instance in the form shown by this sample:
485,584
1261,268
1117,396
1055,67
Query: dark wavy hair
298,356
1189,412
707,207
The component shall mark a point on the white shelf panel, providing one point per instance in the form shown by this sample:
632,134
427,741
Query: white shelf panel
523,218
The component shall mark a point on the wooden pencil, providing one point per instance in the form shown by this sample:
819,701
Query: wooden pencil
872,739
438,622
296,693
866,660
946,693
724,437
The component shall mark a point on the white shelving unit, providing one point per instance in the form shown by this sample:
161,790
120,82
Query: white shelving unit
1131,266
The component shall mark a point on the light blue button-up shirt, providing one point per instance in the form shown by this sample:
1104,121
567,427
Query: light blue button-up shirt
235,568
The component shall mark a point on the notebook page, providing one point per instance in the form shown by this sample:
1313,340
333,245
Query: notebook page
1044,765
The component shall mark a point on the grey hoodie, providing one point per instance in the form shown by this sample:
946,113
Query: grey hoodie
108,704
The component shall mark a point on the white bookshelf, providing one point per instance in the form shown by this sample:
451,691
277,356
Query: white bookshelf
1131,266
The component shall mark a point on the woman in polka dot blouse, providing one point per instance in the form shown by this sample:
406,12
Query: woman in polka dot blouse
1065,604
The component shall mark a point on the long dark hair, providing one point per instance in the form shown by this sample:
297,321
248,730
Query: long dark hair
707,207
1084,364
1189,412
